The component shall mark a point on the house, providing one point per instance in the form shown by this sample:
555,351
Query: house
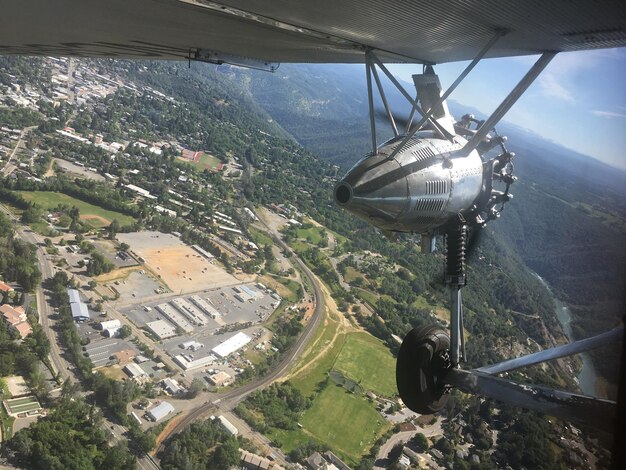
5,287
124,356
336,461
251,461
221,379
135,372
16,318
171,386
315,461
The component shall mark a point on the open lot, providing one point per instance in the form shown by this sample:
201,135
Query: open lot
135,285
71,168
182,268
96,216
111,252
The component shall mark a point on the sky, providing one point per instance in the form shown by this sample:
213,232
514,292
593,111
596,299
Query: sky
579,101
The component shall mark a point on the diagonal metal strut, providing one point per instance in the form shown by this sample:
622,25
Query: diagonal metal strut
554,353
569,406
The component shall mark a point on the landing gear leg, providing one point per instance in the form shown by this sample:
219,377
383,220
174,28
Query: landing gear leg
428,353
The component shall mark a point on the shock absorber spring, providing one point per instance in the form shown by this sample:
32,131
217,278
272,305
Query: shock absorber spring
456,246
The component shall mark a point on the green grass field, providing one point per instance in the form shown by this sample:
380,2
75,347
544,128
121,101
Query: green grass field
312,235
260,238
291,285
96,216
368,361
344,421
348,423
352,274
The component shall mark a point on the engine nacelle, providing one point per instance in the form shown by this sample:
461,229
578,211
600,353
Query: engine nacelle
419,190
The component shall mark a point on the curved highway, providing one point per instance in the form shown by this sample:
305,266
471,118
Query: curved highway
231,398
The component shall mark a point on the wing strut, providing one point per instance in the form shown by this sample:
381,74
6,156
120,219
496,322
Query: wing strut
373,60
426,116
509,101
585,409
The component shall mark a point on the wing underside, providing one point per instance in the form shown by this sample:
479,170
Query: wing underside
323,31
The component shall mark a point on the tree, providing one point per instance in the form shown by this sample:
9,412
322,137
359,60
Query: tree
32,214
92,284
125,331
420,442
197,385
124,246
114,227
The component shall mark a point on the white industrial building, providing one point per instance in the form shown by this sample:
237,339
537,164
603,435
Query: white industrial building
161,329
171,386
202,251
80,312
189,311
192,345
111,332
160,411
230,427
231,345
110,325
175,317
205,306
187,362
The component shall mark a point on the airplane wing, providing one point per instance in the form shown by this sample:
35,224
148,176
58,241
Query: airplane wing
323,31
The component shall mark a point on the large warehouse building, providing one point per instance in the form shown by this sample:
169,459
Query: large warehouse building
231,345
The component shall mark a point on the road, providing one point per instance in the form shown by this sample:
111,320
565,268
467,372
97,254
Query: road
10,167
225,402
382,456
59,363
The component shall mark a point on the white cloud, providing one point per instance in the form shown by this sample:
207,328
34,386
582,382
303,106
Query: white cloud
608,114
557,79
553,85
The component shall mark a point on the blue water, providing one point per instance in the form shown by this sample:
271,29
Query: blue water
587,376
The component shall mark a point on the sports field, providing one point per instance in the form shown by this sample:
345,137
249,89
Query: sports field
368,361
348,423
96,216
344,421
22,405
205,161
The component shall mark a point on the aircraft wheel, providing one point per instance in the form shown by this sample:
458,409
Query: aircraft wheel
422,362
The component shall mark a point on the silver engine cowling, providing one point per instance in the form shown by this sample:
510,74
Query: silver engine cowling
420,189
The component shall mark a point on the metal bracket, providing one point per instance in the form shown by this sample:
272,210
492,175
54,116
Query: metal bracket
219,58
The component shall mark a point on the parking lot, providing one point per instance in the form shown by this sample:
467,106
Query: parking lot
100,348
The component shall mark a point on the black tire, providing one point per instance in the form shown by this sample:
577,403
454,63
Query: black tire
420,366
